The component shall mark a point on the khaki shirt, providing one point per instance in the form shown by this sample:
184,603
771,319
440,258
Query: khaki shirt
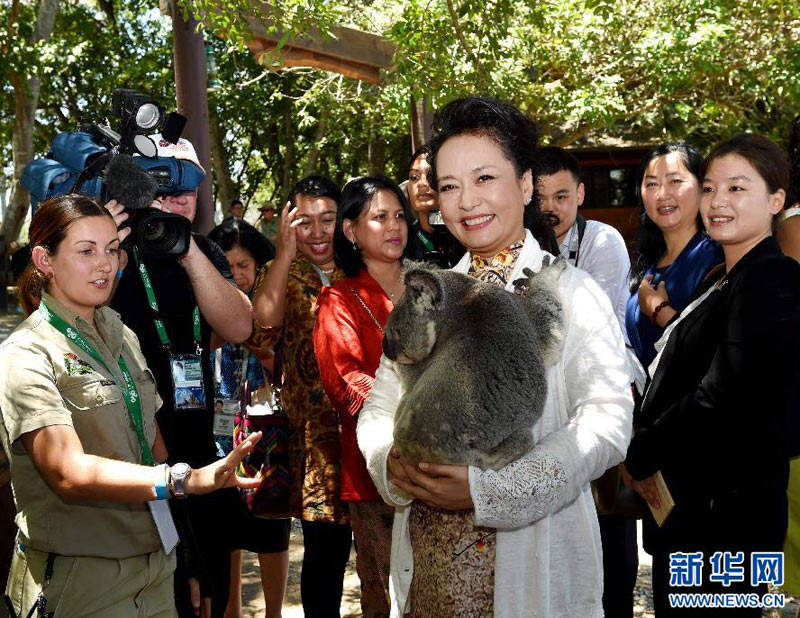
46,380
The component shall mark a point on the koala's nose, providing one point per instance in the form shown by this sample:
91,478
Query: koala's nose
387,347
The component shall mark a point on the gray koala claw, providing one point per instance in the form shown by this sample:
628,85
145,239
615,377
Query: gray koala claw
558,264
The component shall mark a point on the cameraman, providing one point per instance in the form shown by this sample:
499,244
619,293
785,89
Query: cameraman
200,280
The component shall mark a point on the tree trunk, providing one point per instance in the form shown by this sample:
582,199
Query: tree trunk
26,99
319,134
288,153
189,53
226,191
376,153
421,122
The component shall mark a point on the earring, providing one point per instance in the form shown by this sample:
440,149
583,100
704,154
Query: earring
355,246
527,200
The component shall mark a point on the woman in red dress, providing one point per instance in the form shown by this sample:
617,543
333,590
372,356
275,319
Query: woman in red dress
369,244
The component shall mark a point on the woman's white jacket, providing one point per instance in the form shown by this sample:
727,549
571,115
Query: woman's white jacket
549,558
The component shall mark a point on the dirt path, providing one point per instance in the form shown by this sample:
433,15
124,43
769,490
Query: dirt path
253,598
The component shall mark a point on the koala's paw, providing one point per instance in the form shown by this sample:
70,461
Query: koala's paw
546,277
556,266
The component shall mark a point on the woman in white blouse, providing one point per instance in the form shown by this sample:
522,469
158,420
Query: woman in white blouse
522,540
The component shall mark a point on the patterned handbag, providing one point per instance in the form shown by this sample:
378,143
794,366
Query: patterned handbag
270,457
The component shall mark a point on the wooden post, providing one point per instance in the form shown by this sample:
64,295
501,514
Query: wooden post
188,50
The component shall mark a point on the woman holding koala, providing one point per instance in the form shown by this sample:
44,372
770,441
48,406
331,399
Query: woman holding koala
369,243
522,539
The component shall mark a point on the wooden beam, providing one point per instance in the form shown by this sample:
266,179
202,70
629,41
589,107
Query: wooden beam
291,56
351,52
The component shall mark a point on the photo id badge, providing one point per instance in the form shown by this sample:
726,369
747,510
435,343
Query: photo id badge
187,381
224,414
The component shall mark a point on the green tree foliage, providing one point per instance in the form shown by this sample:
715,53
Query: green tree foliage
584,69
91,53
645,71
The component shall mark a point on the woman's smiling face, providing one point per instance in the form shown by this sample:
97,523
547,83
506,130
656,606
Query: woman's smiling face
480,195
737,207
670,193
81,272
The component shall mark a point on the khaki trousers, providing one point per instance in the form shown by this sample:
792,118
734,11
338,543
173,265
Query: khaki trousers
86,587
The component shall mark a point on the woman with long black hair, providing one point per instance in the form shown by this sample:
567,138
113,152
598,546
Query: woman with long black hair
673,252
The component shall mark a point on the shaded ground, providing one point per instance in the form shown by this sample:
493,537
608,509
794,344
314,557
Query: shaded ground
253,600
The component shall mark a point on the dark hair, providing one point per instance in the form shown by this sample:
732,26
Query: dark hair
234,202
48,229
356,197
513,132
232,233
650,243
552,160
422,151
793,194
768,159
315,186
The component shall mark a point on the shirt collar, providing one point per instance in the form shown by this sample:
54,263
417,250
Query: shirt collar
531,257
107,321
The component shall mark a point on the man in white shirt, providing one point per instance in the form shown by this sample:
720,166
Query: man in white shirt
599,250
592,246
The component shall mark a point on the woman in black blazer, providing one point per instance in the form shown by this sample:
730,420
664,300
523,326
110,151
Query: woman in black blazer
715,416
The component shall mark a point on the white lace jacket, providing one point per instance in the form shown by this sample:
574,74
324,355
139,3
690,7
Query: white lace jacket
549,557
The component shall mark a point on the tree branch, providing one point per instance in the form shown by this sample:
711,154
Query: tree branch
462,39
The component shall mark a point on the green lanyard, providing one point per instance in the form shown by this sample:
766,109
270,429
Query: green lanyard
425,240
151,298
129,392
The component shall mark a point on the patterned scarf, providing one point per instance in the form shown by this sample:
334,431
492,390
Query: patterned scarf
497,269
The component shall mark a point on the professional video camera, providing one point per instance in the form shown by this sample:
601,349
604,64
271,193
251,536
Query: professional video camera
127,165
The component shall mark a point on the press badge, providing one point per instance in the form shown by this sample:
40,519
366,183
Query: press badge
165,525
224,413
187,381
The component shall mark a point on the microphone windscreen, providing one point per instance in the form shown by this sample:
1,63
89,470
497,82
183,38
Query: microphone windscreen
129,184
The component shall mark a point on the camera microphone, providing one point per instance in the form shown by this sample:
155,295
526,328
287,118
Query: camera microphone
129,184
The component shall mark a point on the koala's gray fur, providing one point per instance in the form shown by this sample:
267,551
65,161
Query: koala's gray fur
471,358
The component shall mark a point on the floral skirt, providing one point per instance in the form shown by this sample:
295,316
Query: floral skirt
453,564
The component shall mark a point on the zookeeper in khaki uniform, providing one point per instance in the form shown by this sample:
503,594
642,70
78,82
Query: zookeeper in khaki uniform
78,404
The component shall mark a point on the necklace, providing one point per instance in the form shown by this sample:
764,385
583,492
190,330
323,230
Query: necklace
390,291
329,271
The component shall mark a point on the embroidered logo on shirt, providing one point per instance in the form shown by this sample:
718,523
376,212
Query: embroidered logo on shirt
76,366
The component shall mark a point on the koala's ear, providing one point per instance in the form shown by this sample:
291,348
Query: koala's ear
424,284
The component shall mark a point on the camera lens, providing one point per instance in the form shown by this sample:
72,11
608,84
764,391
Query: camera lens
154,231
159,234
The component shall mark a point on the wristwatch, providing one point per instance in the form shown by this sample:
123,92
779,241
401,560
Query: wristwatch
178,475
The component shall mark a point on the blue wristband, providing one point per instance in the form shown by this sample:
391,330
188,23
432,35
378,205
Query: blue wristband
161,482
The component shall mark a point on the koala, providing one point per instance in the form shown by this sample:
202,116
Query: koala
472,358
